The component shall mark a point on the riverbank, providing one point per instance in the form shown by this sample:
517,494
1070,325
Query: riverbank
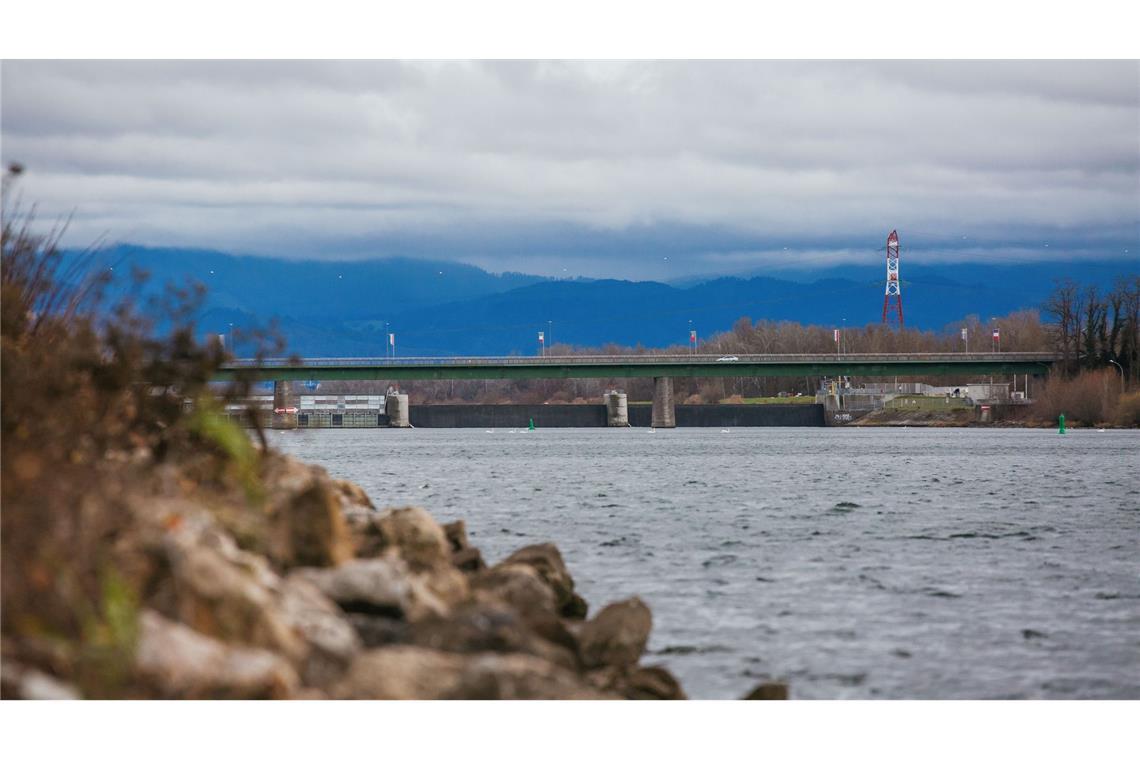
962,418
285,583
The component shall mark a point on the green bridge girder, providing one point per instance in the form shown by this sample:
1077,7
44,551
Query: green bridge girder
767,365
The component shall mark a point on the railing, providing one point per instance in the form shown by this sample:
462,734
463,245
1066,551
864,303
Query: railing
619,359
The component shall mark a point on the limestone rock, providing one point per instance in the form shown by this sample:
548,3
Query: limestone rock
576,609
352,495
409,672
617,635
547,561
769,690
411,531
653,683
222,591
456,533
332,640
518,585
444,582
491,628
401,672
419,539
174,661
375,631
314,528
520,676
22,682
469,560
381,586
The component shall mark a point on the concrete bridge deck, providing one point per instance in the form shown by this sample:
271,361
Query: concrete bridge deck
642,365
663,368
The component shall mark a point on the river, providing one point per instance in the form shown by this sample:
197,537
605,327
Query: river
902,563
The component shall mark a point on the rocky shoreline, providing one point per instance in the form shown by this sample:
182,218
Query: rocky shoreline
317,594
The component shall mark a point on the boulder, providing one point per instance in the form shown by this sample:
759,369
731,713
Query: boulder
410,672
312,527
366,539
174,661
546,560
491,628
222,591
518,585
332,640
653,683
352,496
300,518
520,676
23,682
456,533
382,586
401,672
769,690
377,631
617,635
410,531
469,560
419,539
576,608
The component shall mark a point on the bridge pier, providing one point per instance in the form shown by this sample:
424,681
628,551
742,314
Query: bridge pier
617,409
284,406
396,406
663,416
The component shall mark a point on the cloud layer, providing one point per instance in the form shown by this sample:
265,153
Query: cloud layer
601,168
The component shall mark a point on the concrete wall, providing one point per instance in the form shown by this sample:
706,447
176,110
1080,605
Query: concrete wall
565,415
736,415
507,415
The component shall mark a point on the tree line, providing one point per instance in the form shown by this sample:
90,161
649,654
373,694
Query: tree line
1092,329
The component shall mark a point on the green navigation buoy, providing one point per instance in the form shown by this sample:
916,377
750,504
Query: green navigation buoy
1061,424
532,423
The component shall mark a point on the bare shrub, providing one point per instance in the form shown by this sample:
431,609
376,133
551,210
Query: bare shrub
88,389
1128,410
1088,398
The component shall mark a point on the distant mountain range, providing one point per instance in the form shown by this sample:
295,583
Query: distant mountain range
340,308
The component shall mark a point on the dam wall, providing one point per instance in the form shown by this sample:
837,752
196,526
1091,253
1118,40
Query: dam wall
594,415
557,415
736,415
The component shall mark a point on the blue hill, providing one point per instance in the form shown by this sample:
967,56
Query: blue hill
443,308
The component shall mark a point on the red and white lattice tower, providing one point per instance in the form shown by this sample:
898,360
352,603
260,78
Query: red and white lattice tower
892,298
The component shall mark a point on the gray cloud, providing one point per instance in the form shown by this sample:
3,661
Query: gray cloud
357,158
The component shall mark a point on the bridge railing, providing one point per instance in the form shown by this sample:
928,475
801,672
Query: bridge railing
621,359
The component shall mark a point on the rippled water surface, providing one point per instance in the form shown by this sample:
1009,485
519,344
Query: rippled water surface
867,563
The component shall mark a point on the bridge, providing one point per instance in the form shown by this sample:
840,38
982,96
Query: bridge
662,367
641,365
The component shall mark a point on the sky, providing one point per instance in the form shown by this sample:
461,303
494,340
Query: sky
626,169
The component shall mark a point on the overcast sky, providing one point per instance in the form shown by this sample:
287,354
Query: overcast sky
602,169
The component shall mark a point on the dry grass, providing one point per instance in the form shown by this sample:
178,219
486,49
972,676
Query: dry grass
1090,398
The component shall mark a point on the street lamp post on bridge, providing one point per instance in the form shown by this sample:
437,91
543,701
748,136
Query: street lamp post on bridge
1123,382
